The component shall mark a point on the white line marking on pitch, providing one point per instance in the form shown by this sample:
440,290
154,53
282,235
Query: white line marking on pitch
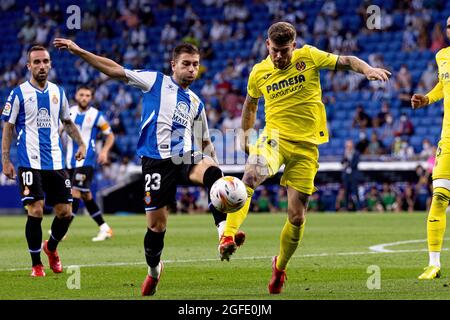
118,264
381,248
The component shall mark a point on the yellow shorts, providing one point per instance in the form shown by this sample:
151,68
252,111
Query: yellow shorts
441,168
300,160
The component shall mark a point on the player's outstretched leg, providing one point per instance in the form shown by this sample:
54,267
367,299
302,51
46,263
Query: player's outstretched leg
436,224
231,238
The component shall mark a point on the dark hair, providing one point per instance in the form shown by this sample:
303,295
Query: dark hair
35,48
85,87
184,48
282,33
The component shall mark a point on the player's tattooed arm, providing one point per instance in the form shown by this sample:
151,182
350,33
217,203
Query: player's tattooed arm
355,64
73,132
248,119
8,168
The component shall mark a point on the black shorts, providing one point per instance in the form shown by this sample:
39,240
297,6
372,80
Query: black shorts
161,177
52,185
81,178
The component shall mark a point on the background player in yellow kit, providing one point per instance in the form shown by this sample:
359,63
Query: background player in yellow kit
289,80
441,173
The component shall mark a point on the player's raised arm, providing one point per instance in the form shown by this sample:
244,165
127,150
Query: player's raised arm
419,101
355,64
107,66
249,110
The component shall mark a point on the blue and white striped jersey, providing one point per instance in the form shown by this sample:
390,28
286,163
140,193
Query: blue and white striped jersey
36,114
168,115
89,123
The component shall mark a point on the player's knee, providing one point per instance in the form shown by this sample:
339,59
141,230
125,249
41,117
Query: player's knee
86,196
35,211
296,216
63,211
250,179
158,226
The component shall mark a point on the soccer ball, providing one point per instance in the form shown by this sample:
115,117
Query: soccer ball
228,194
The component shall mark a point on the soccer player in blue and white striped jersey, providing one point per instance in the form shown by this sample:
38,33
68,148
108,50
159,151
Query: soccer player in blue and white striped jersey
169,112
34,109
90,122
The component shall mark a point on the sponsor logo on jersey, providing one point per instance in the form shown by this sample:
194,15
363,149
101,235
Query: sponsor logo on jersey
286,83
181,114
43,119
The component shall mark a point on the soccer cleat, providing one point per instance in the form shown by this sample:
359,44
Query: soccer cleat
431,272
53,258
38,271
239,238
278,278
150,284
227,247
103,235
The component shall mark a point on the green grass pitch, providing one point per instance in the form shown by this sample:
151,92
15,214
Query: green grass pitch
331,263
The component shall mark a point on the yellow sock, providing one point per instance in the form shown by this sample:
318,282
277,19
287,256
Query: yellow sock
290,237
436,222
235,219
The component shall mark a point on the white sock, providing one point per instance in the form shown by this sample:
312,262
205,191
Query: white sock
435,258
221,228
154,272
104,227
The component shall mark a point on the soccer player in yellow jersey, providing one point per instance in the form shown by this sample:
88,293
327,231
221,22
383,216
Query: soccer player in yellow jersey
441,172
289,81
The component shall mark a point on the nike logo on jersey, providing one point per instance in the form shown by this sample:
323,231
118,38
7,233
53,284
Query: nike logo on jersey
435,220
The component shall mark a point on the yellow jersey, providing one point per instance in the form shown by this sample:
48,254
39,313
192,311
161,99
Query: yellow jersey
442,91
293,96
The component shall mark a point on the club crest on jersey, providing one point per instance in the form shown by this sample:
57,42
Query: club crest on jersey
43,119
55,99
300,65
26,191
147,198
7,109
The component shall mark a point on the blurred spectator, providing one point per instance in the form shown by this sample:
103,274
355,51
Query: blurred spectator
437,38
350,175
404,86
202,201
341,203
220,31
187,201
375,147
388,197
402,150
427,149
361,119
168,35
259,49
429,78
410,36
374,202
208,90
382,115
314,203
263,202
409,199
28,33
404,127
282,200
363,143
123,99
